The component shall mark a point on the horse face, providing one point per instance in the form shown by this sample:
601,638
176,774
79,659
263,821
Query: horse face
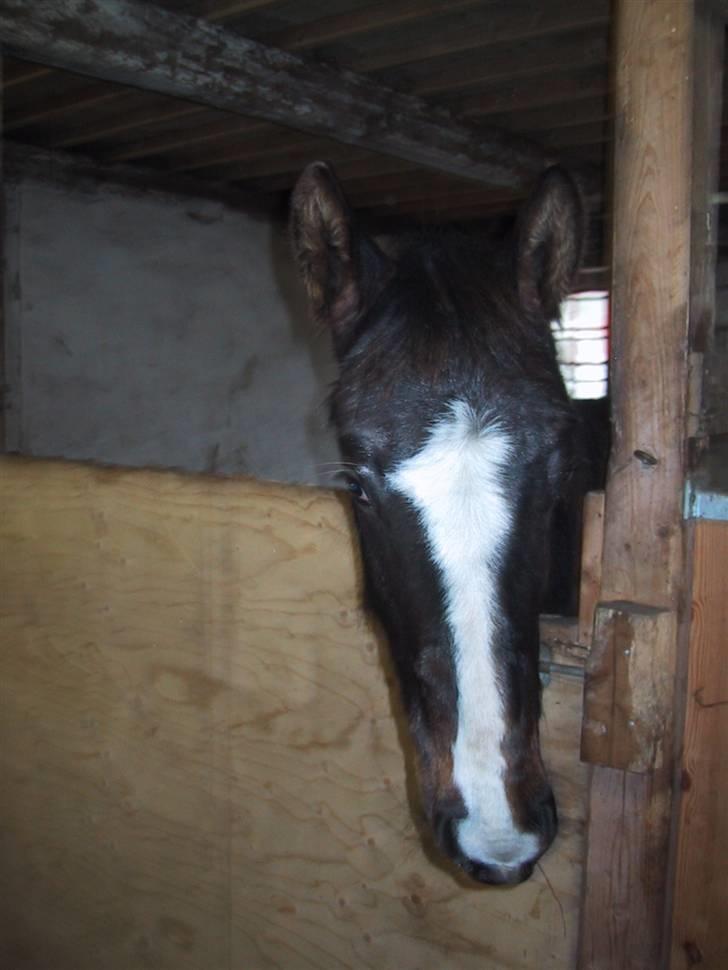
456,435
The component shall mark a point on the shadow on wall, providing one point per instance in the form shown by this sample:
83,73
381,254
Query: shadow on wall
310,338
162,332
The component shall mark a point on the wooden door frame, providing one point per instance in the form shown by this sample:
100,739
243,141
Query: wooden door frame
667,89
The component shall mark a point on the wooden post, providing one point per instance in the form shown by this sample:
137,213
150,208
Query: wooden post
592,544
699,931
626,886
699,926
3,347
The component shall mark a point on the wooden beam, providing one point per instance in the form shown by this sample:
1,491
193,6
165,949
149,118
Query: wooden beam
518,21
4,384
627,696
336,28
586,111
142,45
289,161
698,935
523,95
590,581
139,116
67,103
575,136
277,141
363,166
182,138
626,887
16,73
218,11
212,154
700,928
535,57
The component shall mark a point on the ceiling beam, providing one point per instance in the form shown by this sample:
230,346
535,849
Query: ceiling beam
517,21
149,47
218,11
344,27
536,56
59,106
16,73
515,104
74,170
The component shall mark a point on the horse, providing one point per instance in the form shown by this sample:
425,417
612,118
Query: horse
458,440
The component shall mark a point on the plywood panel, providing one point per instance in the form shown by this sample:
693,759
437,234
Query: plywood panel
700,929
201,767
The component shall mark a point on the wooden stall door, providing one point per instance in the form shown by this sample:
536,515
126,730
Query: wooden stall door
200,763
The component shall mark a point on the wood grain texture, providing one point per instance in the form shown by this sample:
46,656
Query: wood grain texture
629,815
146,46
3,337
628,688
700,928
651,255
590,582
202,761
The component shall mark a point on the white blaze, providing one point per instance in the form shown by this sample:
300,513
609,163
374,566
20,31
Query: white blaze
455,483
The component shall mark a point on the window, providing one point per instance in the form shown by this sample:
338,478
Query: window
582,343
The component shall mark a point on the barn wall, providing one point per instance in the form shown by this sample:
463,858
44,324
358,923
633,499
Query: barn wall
203,764
149,329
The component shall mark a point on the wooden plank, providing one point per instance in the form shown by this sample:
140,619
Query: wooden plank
16,73
590,581
651,251
536,57
698,933
583,111
628,690
4,348
271,142
626,885
518,21
145,46
558,88
338,27
292,160
218,11
328,29
559,644
706,411
184,137
360,165
128,115
63,104
201,756
700,928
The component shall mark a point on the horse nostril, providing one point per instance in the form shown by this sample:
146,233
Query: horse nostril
444,828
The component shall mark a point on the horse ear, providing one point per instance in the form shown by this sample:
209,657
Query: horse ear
331,254
550,240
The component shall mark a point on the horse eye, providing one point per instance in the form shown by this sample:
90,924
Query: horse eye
357,492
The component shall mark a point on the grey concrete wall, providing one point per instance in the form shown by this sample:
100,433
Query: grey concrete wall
145,329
